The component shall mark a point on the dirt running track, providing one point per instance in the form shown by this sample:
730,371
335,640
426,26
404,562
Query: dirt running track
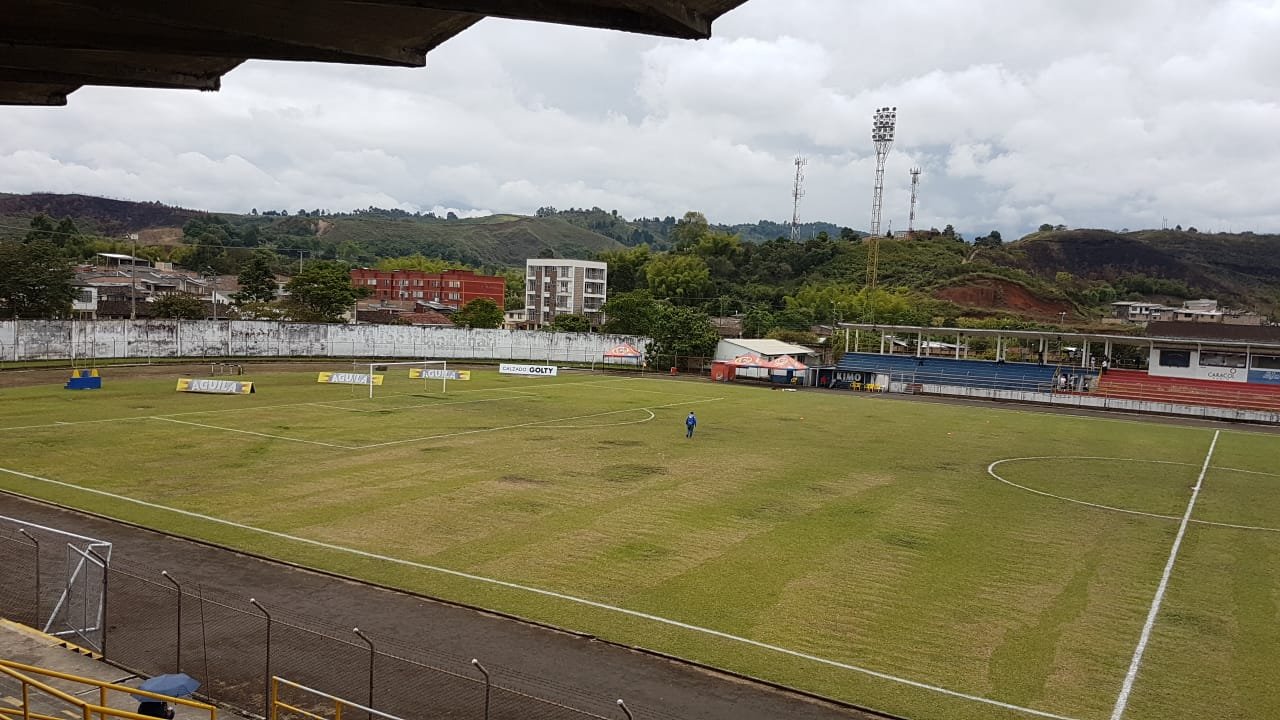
577,671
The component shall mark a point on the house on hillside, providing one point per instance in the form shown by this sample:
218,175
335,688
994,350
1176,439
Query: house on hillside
1191,311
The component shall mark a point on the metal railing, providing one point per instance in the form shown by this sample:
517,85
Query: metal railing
339,704
86,710
159,624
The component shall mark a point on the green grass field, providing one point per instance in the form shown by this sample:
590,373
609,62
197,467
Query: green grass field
855,529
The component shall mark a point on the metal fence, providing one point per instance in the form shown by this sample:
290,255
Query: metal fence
235,645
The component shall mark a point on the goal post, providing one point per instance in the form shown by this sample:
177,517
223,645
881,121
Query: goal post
426,371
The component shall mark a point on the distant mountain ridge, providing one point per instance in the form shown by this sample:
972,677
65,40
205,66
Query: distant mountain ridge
364,236
1058,269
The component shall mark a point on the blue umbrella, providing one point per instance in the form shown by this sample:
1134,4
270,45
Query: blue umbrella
173,685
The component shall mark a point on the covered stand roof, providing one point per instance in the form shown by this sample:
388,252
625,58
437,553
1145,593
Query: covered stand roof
51,48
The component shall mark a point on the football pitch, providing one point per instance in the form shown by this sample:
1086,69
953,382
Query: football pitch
927,560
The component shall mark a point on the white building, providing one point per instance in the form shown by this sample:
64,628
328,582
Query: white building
564,287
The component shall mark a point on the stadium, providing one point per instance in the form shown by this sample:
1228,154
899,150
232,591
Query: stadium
876,554
319,520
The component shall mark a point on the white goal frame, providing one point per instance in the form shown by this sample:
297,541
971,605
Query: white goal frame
369,369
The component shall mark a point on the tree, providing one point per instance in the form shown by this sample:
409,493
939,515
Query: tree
626,268
678,277
630,313
185,307
479,313
257,281
42,228
570,323
514,295
35,280
690,230
682,332
992,240
322,292
1046,227
757,323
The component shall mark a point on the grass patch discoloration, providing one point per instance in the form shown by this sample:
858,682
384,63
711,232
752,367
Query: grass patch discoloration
896,552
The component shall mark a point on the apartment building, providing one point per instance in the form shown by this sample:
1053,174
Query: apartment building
564,287
451,288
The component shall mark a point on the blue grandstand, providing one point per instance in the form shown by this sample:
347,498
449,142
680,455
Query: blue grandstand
855,368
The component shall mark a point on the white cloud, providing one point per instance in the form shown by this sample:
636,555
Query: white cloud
1089,113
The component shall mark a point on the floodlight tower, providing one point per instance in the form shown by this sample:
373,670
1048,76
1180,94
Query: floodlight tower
883,124
797,192
915,194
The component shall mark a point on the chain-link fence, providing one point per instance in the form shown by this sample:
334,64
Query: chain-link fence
234,645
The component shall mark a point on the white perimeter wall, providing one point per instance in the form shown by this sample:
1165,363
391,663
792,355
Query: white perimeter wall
67,339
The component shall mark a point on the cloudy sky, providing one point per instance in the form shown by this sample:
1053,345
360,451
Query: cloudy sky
1091,113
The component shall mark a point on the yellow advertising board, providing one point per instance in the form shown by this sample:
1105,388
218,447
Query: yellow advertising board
438,374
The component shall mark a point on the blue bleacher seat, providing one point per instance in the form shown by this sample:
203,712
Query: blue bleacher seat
950,371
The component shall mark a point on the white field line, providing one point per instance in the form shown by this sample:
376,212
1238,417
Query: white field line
991,471
1084,414
527,424
558,596
1122,701
324,403
250,432
521,396
1247,472
592,427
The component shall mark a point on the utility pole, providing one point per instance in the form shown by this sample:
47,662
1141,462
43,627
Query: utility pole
133,276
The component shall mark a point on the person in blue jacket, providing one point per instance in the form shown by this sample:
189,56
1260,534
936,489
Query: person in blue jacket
689,424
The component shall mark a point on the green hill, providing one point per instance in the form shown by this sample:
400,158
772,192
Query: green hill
362,237
1043,275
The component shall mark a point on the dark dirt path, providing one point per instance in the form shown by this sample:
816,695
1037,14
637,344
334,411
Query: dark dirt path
576,671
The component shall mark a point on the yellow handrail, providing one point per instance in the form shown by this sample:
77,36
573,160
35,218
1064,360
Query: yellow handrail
20,672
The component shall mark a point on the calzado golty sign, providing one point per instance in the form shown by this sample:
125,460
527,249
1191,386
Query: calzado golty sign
534,370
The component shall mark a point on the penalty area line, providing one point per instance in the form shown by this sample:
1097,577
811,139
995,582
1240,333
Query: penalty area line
558,596
250,432
1122,701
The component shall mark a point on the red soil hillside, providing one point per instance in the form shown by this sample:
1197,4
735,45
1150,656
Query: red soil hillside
998,294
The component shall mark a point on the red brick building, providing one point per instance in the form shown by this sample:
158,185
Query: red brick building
454,288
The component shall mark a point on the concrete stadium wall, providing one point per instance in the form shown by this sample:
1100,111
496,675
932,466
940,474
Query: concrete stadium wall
22,340
1099,402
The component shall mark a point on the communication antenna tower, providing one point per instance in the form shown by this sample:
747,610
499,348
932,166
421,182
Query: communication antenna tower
797,192
915,195
883,125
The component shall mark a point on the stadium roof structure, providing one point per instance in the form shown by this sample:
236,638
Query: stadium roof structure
51,48
1178,334
767,348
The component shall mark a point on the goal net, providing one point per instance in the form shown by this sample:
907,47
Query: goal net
416,376
375,379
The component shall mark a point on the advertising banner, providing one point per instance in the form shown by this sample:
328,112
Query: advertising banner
438,374
346,378
531,370
216,387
